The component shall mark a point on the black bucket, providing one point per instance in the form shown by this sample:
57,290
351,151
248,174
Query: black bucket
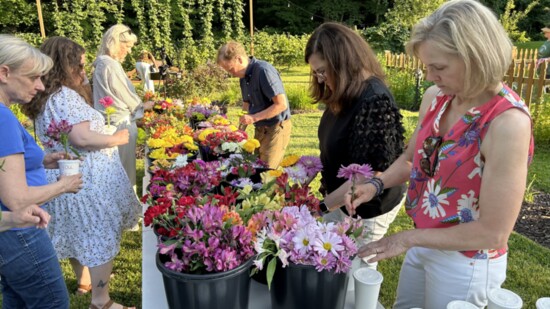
303,287
225,290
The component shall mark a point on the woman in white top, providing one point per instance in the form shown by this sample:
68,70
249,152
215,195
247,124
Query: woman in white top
110,80
145,66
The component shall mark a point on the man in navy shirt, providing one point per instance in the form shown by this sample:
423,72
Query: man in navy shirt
264,100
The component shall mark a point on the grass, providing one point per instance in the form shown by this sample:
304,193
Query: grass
529,45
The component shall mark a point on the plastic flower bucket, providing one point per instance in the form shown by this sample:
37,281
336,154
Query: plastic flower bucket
303,287
225,290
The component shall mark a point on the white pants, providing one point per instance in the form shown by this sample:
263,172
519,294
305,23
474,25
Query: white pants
430,279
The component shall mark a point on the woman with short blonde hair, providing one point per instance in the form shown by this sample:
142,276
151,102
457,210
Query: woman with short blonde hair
466,163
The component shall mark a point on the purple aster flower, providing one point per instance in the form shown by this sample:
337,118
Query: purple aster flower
352,170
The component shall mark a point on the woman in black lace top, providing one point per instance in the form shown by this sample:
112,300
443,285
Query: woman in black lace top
361,123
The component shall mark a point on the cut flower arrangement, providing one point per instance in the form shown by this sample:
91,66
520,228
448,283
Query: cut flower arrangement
212,239
294,235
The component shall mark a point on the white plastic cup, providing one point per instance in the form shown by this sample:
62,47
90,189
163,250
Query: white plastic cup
109,129
460,304
367,287
504,299
69,167
543,303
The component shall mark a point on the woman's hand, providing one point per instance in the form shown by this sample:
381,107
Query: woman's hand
122,137
71,184
148,105
27,216
363,194
50,159
386,247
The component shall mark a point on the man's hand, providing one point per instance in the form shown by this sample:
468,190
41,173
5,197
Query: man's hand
247,119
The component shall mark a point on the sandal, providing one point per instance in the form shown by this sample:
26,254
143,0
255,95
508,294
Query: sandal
108,305
83,289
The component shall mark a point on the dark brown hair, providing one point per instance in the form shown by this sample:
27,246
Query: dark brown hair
66,56
348,58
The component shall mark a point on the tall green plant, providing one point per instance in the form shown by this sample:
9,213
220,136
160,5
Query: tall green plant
510,19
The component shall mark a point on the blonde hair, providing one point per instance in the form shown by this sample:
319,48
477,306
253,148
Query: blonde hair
230,51
14,52
471,31
110,43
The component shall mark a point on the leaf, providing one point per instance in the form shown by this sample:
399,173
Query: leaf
271,271
75,151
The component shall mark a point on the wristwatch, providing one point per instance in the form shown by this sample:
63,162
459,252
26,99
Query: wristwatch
323,207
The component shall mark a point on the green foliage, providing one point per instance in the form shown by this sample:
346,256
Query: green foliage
540,112
510,19
407,13
201,82
281,50
232,95
299,98
387,36
402,84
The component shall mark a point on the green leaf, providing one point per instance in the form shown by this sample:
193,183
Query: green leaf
271,271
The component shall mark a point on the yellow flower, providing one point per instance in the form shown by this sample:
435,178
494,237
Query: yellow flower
158,154
168,100
290,160
205,133
158,143
232,128
250,145
170,187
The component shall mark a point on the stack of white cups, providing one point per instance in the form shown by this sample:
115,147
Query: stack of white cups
503,299
367,287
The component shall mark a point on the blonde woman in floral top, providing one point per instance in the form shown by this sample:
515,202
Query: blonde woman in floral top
466,163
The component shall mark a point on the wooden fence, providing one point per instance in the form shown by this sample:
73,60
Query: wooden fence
522,74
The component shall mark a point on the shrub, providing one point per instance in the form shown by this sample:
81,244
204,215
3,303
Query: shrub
299,98
200,82
540,112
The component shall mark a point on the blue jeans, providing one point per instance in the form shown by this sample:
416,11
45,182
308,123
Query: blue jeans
30,272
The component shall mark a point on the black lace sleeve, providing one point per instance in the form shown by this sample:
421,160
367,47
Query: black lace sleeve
377,133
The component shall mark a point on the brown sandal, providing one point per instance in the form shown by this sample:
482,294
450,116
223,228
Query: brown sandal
108,305
83,289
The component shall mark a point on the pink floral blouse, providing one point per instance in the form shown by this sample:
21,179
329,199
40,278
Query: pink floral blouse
451,196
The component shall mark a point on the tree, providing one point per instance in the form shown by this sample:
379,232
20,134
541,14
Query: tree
510,19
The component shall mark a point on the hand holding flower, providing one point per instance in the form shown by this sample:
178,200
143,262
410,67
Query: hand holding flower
352,172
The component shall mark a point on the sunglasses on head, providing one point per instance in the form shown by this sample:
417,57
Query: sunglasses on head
430,145
128,31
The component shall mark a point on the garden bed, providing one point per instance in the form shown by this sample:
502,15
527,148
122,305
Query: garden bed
534,220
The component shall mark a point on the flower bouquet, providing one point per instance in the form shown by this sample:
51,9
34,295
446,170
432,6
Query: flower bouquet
59,132
294,235
209,239
212,250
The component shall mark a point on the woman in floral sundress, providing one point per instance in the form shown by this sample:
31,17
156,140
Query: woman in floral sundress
466,163
86,227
